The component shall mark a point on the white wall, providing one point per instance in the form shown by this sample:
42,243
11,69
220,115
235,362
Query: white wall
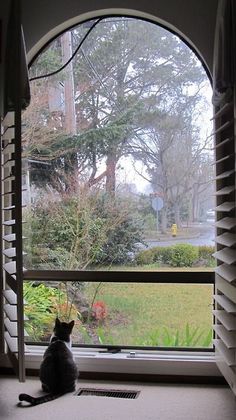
44,19
195,19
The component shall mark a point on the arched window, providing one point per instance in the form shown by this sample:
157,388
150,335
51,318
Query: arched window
118,161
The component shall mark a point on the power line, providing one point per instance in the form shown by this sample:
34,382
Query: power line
71,58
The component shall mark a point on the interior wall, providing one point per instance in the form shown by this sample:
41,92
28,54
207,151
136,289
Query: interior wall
43,19
195,20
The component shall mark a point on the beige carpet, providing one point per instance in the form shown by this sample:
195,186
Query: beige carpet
164,402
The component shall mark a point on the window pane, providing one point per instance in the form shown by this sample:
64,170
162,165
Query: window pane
117,150
123,314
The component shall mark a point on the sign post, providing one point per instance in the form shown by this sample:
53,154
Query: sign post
157,205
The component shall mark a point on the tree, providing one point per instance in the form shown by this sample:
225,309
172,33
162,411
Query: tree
137,91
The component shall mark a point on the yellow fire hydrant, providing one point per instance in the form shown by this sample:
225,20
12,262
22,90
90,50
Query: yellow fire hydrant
174,229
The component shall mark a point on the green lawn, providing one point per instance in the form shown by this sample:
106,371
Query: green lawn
154,314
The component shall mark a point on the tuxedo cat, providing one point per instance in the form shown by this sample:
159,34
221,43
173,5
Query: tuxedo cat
58,372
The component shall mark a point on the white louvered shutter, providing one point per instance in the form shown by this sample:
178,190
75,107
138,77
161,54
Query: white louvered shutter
12,276
16,97
225,277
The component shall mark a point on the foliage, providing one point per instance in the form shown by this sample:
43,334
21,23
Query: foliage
179,255
42,305
81,230
145,256
183,255
205,255
189,336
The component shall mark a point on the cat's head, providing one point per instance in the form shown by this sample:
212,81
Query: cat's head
63,330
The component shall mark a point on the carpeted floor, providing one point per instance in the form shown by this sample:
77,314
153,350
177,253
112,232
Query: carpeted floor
155,402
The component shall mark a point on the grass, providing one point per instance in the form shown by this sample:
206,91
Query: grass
154,314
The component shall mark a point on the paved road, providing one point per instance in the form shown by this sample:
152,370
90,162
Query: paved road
206,237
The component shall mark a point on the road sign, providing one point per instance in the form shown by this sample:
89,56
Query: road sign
157,203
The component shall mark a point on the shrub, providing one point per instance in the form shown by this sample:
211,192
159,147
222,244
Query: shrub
206,251
162,254
99,310
205,255
183,255
144,257
80,231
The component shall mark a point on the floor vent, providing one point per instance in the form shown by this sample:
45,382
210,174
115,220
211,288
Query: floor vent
114,393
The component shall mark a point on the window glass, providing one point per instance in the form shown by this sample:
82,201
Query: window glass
117,152
123,314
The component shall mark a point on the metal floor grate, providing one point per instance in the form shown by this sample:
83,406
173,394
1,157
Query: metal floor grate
114,393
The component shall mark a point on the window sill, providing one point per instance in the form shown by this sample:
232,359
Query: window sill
136,363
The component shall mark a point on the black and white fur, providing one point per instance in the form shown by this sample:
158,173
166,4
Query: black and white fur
58,371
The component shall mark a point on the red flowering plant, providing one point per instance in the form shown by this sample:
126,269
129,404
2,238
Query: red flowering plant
99,310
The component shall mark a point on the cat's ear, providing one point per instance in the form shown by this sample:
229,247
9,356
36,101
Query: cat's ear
57,322
71,324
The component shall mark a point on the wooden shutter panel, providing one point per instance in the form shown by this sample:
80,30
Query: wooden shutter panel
16,97
12,279
224,100
225,273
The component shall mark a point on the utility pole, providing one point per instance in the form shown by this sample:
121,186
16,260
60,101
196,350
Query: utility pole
69,105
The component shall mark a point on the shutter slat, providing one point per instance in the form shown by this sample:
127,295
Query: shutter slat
223,301
226,206
11,342
225,288
9,134
227,239
10,267
12,328
222,143
226,255
226,223
222,127
225,190
225,174
9,163
222,111
9,222
10,295
226,370
228,355
11,312
9,178
9,119
223,159
8,208
9,148
228,320
228,337
227,272
9,238
10,252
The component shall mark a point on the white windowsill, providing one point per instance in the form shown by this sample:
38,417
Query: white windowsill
143,362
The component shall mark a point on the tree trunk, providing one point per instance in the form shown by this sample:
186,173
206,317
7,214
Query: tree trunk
111,174
177,214
69,102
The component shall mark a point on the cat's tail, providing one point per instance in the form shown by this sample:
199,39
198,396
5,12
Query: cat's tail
38,400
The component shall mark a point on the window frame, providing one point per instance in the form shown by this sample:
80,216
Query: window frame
197,362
